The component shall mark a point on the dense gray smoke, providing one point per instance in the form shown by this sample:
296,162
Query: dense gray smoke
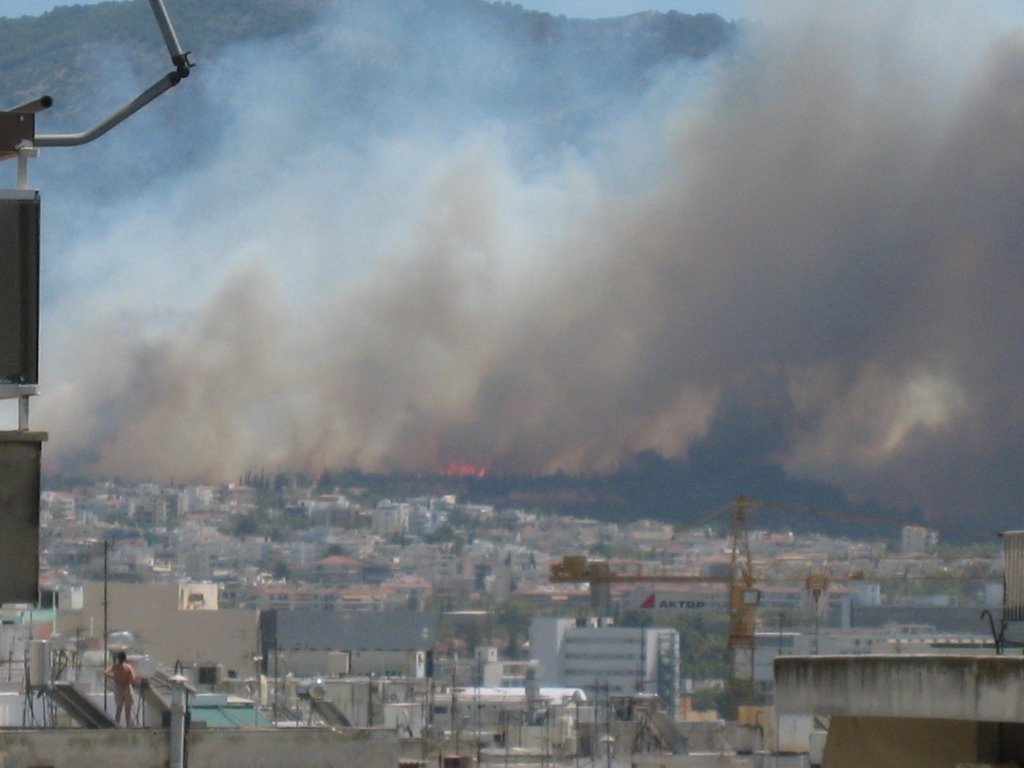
811,245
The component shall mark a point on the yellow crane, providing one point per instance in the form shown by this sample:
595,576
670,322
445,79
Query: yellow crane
743,595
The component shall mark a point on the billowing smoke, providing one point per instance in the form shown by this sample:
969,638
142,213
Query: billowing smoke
808,251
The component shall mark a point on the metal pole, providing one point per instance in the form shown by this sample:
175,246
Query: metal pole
576,728
178,713
106,580
178,57
277,682
817,618
24,153
77,139
479,682
23,413
369,702
455,727
477,718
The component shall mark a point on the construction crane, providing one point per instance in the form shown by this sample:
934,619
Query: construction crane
744,597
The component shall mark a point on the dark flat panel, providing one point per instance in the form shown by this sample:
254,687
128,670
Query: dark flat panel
15,127
19,517
19,286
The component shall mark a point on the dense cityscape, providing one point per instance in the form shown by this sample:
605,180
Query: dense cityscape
285,546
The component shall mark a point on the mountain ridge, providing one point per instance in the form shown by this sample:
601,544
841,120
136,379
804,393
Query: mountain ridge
62,52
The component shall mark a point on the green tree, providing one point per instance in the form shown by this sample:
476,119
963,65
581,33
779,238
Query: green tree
512,620
281,570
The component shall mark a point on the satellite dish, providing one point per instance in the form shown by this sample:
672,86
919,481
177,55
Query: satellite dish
317,692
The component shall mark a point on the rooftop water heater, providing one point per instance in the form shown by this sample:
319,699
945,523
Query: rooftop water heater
1010,630
1013,576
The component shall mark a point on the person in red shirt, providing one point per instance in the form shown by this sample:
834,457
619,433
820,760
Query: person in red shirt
123,675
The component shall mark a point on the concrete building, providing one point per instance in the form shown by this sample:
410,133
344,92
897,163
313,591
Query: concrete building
918,540
890,640
391,518
207,747
909,711
905,711
597,656
338,569
332,643
714,598
171,623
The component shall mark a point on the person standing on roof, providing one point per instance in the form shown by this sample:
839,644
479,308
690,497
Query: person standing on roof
123,675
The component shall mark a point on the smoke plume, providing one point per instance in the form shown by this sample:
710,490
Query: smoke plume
807,251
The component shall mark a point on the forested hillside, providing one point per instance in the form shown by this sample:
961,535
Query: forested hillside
78,53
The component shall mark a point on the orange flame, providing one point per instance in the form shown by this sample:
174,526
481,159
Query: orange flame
457,469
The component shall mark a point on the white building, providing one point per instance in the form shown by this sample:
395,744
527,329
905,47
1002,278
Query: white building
601,658
390,518
774,598
917,540
57,506
892,639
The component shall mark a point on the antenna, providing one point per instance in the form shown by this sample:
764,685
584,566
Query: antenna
182,67
21,449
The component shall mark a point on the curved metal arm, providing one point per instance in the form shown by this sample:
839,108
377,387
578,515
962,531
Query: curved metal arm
129,109
182,68
997,637
178,57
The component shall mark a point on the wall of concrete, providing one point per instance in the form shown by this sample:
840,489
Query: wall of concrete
150,612
78,747
295,748
976,688
855,742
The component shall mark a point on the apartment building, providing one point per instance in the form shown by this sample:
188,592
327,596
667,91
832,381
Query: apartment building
599,657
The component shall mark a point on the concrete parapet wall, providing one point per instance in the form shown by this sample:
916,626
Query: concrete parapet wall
977,688
293,748
720,760
79,747
213,748
694,760
856,742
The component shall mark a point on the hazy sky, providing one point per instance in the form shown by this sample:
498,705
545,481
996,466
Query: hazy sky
579,8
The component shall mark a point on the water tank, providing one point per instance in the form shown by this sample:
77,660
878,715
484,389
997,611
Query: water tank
38,663
145,666
317,691
120,641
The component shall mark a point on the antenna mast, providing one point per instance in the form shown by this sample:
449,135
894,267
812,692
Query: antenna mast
182,67
21,449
